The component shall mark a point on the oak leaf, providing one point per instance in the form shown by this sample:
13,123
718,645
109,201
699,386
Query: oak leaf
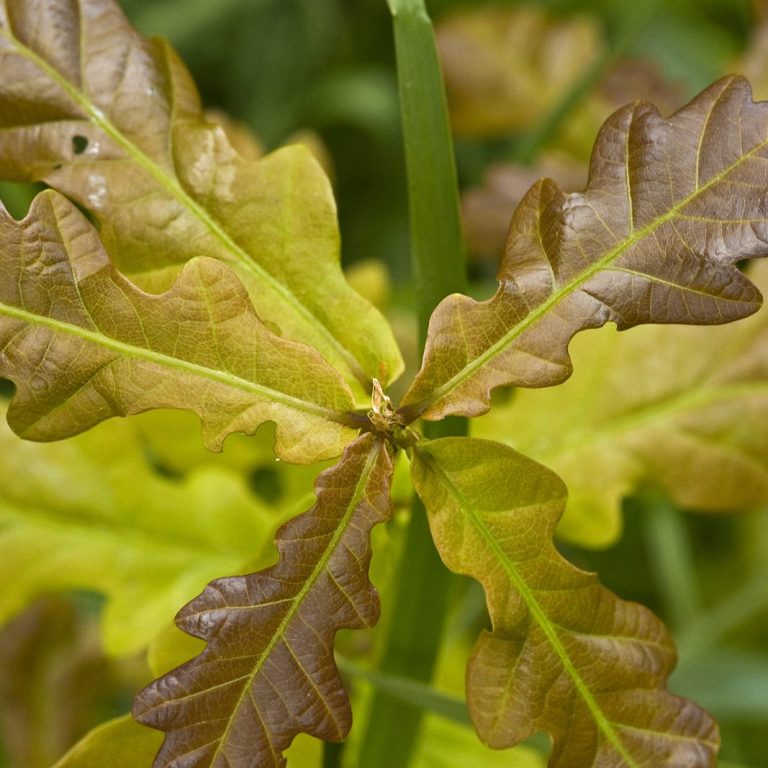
682,411
565,654
670,206
268,671
114,122
91,513
83,344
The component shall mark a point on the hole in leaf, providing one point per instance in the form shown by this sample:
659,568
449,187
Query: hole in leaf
265,483
79,144
7,389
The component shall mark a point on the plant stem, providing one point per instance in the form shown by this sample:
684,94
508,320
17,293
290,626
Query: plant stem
670,549
332,753
437,256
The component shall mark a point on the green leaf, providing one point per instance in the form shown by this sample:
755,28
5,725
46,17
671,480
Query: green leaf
90,513
680,410
565,654
114,122
83,344
119,743
670,206
268,672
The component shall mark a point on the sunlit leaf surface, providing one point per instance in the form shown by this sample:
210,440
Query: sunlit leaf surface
114,121
268,671
565,654
119,743
670,206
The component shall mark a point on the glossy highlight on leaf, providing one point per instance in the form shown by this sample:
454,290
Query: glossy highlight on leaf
82,344
268,671
670,206
114,122
565,654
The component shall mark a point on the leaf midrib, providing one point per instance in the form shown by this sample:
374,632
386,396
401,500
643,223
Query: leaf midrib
538,613
171,185
306,588
125,350
582,277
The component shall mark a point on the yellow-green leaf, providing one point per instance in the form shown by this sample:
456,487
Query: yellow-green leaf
118,743
565,654
114,122
90,513
670,206
682,411
268,671
83,344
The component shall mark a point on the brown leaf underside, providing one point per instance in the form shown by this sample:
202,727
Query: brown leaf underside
670,205
82,344
268,671
565,655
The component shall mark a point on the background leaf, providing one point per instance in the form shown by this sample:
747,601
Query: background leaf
565,654
119,743
90,513
681,411
114,122
653,238
506,68
83,344
267,672
55,682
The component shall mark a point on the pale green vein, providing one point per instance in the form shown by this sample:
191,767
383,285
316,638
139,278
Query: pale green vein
538,613
574,284
298,601
171,185
125,350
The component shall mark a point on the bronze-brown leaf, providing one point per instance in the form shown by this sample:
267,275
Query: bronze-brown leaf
670,206
268,671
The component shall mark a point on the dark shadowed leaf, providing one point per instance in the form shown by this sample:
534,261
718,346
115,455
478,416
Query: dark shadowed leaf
670,206
565,654
83,344
114,121
55,682
268,671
